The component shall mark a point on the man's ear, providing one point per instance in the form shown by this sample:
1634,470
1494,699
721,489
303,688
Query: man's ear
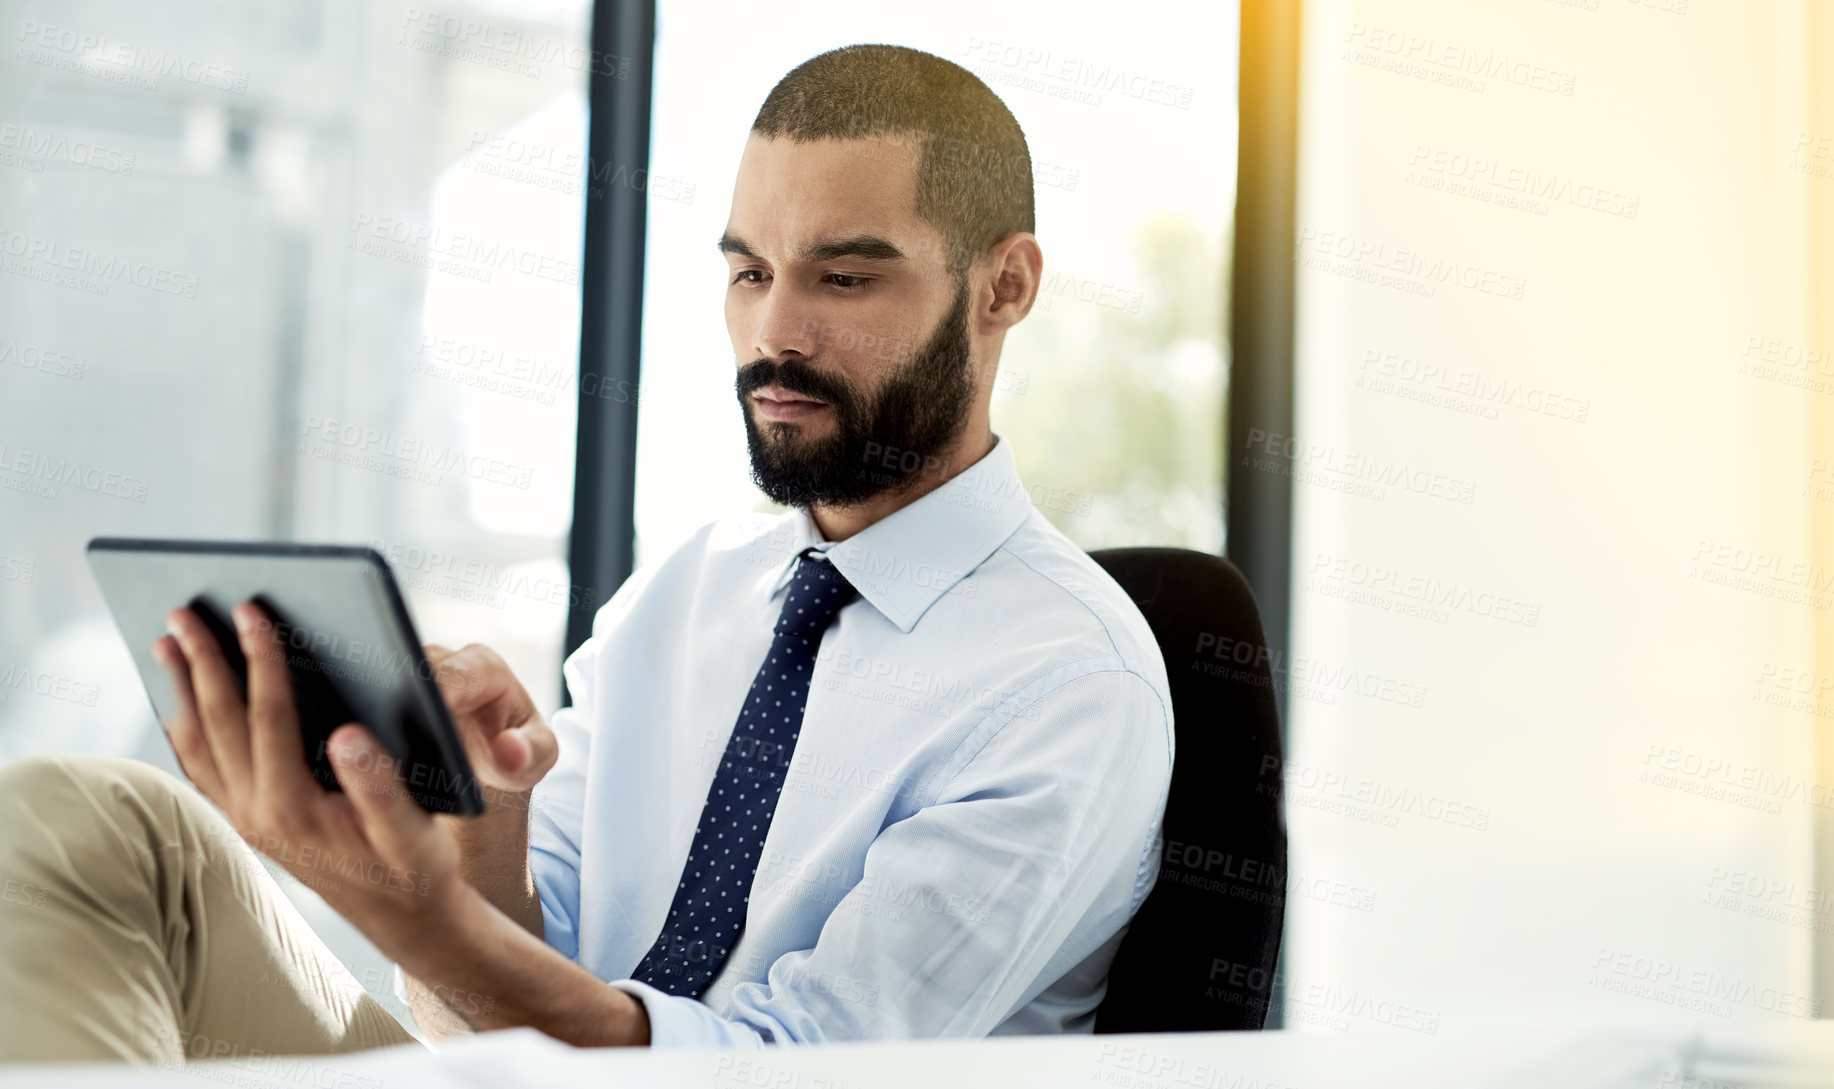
1015,273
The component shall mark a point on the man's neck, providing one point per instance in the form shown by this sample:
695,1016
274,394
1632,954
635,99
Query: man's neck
838,524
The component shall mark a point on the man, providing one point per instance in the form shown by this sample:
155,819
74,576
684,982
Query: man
889,765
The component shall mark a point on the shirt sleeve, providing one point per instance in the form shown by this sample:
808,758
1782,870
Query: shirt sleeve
1041,841
558,801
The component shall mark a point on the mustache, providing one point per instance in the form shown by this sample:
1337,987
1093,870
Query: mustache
793,376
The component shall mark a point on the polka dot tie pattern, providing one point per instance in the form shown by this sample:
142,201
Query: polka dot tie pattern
709,909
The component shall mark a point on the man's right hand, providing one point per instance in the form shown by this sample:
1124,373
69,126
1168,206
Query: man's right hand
508,743
510,748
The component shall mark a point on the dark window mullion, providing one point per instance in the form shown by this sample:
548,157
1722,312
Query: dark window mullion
601,546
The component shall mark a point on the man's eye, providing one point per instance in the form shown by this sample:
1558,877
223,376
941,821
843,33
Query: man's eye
854,283
740,278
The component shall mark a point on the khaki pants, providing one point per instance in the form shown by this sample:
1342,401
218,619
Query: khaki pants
137,926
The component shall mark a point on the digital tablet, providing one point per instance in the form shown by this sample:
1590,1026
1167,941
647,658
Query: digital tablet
352,651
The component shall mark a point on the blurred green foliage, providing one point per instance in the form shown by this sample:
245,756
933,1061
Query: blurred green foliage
1122,399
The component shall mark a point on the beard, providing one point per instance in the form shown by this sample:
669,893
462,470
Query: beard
920,408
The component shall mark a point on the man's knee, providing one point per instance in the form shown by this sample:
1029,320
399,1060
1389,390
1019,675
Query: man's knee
50,793
41,772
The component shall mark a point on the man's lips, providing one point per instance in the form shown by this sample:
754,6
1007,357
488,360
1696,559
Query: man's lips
775,403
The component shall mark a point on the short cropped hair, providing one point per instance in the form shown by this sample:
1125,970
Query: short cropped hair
974,171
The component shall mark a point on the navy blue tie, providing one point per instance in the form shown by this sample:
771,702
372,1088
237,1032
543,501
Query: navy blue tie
709,910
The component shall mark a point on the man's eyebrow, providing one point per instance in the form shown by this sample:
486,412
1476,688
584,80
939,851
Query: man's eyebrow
732,243
863,247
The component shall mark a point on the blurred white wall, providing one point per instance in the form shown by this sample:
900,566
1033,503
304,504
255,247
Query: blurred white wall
1562,446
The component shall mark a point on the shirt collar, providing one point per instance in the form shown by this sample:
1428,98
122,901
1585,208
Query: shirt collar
910,558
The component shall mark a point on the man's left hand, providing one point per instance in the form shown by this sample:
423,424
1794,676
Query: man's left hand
372,852
377,858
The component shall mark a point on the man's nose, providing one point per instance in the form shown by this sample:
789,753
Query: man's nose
785,324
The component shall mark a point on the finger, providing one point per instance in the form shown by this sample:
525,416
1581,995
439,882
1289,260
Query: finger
470,677
510,752
392,820
182,727
278,755
219,700
526,752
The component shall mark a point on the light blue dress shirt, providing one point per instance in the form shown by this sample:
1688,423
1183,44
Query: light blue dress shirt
968,821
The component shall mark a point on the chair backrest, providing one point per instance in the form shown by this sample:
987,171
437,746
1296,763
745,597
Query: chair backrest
1200,953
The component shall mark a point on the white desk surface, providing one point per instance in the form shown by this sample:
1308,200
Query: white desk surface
1649,1054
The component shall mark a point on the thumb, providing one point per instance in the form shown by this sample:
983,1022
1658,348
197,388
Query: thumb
525,753
511,751
372,781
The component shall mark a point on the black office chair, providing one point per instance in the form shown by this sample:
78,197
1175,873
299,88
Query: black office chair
1200,953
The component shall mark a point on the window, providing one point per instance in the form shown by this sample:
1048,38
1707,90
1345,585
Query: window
295,271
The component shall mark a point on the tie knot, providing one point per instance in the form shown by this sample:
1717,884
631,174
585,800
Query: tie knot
817,592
